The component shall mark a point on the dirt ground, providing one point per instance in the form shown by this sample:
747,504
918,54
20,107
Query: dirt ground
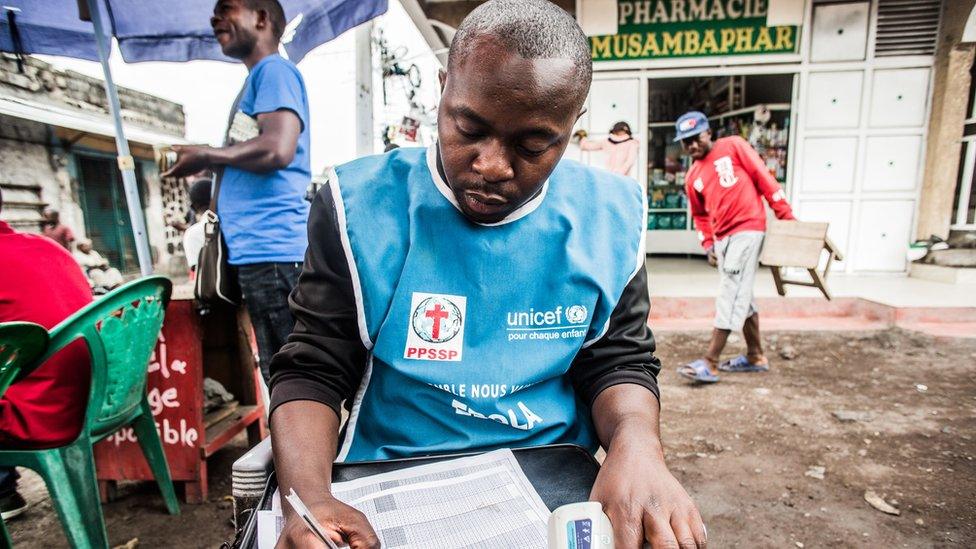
139,513
743,448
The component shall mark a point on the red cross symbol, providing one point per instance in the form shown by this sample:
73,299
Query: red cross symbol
438,314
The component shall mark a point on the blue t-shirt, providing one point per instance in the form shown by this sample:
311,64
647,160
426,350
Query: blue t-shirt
263,215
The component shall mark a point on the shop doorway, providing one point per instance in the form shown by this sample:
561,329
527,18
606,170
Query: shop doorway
107,221
759,108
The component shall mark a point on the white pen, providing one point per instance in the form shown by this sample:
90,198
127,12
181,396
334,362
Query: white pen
299,506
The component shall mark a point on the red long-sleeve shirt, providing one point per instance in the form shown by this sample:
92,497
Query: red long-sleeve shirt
40,282
726,188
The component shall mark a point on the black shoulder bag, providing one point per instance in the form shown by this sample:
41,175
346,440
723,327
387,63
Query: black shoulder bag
216,281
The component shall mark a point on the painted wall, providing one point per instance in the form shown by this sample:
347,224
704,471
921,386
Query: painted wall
37,168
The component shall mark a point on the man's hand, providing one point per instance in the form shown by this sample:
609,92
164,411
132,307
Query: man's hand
344,523
712,258
641,497
645,502
190,160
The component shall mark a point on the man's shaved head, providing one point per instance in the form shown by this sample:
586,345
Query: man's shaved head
275,13
533,29
517,76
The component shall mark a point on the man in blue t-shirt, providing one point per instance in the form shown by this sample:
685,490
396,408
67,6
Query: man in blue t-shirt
265,164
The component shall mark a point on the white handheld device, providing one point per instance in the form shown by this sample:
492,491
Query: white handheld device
581,525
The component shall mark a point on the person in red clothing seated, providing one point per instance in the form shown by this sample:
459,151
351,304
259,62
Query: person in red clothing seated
40,282
52,228
726,186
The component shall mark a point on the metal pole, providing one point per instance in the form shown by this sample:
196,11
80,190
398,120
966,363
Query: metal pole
364,89
126,163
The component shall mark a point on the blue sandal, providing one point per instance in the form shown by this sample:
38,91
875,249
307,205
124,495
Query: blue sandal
741,364
698,372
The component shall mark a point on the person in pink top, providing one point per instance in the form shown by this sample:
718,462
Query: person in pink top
620,148
726,186
52,228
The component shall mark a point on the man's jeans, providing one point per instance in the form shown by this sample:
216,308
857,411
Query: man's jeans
266,287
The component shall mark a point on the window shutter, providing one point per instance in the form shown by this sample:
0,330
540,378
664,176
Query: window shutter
907,27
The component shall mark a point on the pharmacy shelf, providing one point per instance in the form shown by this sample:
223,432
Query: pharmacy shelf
748,110
736,112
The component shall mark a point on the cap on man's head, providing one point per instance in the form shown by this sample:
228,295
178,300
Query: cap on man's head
690,124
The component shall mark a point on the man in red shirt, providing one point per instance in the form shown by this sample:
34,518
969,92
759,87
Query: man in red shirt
40,282
726,186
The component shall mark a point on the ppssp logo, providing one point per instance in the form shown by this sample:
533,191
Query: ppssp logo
436,329
436,320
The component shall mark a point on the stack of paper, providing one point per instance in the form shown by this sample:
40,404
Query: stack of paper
479,501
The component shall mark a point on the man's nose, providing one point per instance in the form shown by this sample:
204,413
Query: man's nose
494,162
213,21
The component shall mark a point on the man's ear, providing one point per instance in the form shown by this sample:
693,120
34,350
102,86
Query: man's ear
264,19
442,77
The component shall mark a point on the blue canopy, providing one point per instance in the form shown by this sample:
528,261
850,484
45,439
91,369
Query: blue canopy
165,30
157,30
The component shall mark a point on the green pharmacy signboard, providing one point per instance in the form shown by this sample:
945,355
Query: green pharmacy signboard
653,29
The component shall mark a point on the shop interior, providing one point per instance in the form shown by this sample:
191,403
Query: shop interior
755,107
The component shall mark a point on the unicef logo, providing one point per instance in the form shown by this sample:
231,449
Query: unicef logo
437,320
576,314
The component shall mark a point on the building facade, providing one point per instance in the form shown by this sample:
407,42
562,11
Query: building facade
57,150
858,107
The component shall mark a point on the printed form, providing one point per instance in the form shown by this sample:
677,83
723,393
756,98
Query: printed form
478,501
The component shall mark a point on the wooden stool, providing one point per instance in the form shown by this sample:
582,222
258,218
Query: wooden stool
798,244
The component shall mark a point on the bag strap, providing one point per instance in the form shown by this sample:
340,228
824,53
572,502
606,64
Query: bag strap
219,173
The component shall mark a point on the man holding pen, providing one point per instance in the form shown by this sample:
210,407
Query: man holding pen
480,294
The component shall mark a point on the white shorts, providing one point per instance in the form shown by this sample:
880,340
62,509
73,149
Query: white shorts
738,259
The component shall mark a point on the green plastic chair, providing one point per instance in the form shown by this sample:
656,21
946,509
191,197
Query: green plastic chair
120,329
21,344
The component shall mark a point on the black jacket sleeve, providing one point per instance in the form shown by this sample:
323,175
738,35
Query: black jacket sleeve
625,353
324,359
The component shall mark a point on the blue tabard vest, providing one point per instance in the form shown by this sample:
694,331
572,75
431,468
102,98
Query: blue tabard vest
471,328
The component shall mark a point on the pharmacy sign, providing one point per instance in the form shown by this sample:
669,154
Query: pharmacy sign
651,29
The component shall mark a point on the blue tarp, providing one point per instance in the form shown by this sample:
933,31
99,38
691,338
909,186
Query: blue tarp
168,30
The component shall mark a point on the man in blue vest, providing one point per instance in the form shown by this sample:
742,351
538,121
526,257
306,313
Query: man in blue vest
480,294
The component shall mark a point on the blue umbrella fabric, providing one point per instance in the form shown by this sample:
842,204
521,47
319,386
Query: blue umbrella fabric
47,26
165,30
